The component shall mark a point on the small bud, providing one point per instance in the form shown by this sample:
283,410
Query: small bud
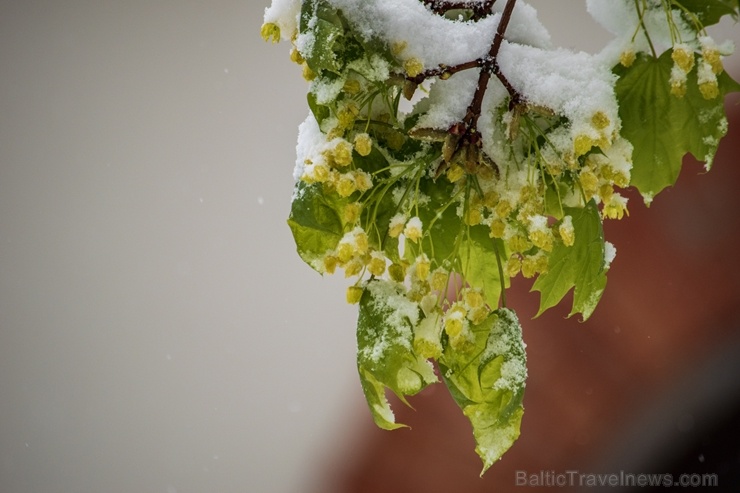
683,57
413,67
398,222
363,181
354,293
513,266
397,272
422,267
582,144
363,144
352,86
352,212
600,120
567,233
346,185
413,229
296,57
627,58
270,32
308,74
376,266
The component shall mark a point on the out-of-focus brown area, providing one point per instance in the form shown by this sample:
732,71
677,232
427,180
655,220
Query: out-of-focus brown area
671,303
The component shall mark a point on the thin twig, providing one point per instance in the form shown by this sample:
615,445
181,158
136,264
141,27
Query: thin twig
480,10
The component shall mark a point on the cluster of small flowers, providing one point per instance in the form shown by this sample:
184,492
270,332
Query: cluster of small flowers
708,64
334,168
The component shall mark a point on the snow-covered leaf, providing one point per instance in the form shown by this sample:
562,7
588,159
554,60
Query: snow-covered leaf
662,127
316,222
488,381
385,357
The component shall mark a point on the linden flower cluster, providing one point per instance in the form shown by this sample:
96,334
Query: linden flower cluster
708,63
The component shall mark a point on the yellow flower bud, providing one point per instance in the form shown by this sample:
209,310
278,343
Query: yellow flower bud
529,266
363,144
589,182
453,326
513,266
567,233
478,315
600,120
363,181
345,251
376,266
422,267
330,263
503,209
627,58
353,268
518,243
270,32
498,229
582,144
397,272
398,222
352,212
473,298
354,293
473,216
413,229
709,89
296,57
427,334
542,238
352,86
361,242
346,185
439,280
397,47
616,208
308,74
413,67
683,57
342,153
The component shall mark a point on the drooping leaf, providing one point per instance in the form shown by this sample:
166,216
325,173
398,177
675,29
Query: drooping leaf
580,266
385,356
709,12
488,383
323,24
664,128
480,257
316,221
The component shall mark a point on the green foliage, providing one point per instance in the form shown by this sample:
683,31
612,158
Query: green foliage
316,222
709,12
487,383
385,357
580,266
663,127
433,217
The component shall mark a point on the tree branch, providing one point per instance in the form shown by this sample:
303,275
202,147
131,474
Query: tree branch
480,10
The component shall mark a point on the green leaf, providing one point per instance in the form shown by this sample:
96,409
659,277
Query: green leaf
488,383
320,111
440,219
663,128
316,222
580,266
385,357
709,12
321,21
481,265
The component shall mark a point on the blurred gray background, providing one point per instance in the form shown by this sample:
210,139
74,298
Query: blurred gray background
158,333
